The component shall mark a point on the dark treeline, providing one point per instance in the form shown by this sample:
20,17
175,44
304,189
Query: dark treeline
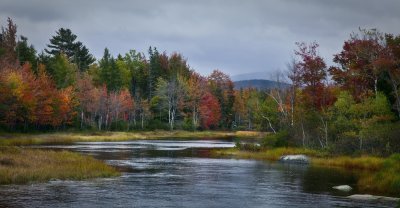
353,106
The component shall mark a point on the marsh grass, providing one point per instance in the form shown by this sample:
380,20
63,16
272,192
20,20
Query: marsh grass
387,179
368,163
270,154
20,166
71,137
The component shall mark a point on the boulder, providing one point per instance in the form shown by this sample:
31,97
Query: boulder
299,159
343,188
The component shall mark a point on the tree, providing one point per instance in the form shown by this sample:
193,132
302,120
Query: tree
26,53
391,61
8,36
115,76
177,66
88,98
154,70
82,58
17,103
210,111
239,108
195,89
65,42
357,70
311,72
62,71
171,93
45,94
137,66
222,88
65,105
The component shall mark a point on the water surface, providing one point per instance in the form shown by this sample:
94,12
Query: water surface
163,173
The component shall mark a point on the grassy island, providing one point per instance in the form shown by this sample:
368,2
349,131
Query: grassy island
20,166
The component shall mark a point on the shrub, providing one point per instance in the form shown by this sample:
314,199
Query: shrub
280,139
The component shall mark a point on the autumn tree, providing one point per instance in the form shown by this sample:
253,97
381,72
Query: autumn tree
210,111
311,72
221,87
358,71
17,103
195,89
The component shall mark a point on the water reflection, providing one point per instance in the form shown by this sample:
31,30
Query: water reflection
179,174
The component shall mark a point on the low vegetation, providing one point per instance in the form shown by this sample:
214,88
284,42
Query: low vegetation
20,166
271,154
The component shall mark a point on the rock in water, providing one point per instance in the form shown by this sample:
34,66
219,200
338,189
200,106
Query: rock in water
343,188
300,159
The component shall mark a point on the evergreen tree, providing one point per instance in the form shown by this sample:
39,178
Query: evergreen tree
26,53
110,74
65,41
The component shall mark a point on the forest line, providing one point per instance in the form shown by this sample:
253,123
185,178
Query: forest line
351,107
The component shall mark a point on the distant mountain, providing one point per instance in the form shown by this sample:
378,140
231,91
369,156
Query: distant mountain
250,76
261,84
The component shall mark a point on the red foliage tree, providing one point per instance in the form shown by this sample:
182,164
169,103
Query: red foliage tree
359,64
210,111
311,73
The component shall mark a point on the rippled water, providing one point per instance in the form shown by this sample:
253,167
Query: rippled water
164,173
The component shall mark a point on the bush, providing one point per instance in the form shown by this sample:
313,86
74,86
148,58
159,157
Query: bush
157,125
280,139
188,125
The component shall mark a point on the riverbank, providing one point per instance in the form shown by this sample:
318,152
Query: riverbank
21,166
376,174
19,139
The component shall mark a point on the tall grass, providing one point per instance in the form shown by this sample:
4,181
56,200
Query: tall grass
360,163
270,154
387,179
19,165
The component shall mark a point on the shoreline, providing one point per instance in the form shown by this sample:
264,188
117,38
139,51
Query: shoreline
25,139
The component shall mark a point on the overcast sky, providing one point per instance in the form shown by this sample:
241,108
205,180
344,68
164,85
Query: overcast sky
233,36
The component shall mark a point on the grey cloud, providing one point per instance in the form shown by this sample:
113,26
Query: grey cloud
235,36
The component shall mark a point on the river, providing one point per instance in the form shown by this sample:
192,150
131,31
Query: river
175,173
